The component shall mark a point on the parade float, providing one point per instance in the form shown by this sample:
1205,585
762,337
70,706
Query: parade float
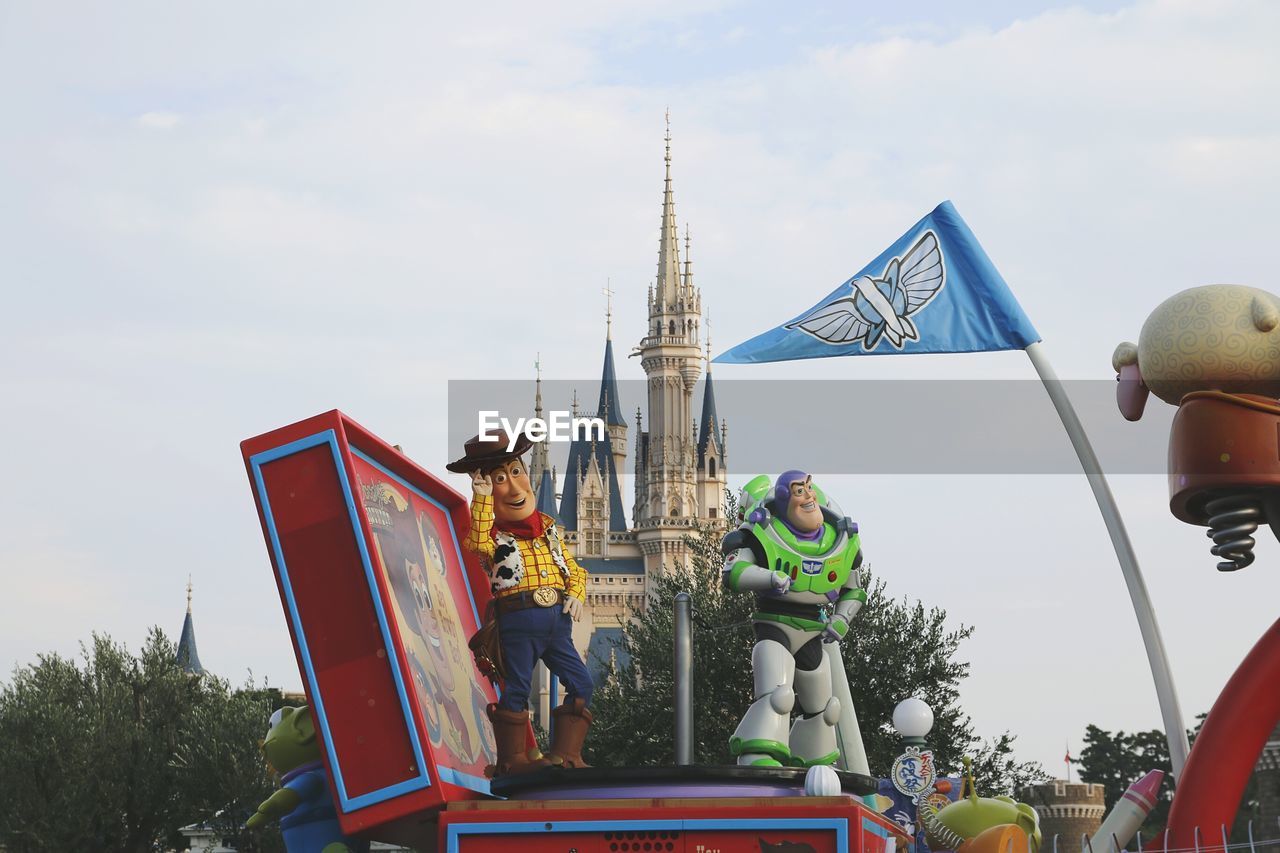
383,593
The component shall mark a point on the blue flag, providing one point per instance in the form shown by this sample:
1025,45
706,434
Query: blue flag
934,290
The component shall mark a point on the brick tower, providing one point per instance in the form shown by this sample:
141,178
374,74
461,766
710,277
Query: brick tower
1067,809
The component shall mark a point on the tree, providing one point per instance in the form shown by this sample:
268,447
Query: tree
1118,760
118,752
895,649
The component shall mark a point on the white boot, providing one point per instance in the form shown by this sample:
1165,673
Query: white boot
761,737
813,737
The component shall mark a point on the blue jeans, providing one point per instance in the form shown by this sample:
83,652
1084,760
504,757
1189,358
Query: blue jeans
540,633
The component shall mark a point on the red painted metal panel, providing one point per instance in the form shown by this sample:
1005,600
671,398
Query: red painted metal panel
348,656
352,659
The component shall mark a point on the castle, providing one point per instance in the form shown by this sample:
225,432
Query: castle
679,462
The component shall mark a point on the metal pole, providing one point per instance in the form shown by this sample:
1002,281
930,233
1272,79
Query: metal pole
1175,731
684,678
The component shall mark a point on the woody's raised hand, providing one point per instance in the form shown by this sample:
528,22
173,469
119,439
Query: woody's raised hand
481,484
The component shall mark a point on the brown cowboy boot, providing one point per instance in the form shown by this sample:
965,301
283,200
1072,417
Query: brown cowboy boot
571,723
510,729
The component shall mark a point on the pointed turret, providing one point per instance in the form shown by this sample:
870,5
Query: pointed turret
713,476
187,657
610,408
669,241
688,261
546,495
538,459
709,428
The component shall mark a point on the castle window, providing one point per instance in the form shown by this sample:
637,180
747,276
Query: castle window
713,466
711,512
671,327
591,541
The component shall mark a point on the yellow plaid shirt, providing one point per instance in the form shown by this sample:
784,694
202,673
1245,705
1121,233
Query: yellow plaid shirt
539,568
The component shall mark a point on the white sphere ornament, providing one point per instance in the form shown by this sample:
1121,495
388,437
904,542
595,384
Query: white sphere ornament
821,781
913,718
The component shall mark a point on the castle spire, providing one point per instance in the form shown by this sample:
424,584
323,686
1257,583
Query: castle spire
688,262
537,384
187,658
546,499
669,242
609,408
708,434
538,459
608,310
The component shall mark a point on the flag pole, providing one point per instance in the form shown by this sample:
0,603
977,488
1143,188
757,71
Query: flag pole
1170,711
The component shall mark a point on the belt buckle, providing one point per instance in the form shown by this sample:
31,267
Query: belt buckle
545,596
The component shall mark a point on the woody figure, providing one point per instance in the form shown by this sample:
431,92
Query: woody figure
538,590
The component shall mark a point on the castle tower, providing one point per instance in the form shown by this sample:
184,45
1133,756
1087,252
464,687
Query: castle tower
1067,809
187,657
712,477
671,358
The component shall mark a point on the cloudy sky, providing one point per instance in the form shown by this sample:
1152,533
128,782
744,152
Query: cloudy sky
219,219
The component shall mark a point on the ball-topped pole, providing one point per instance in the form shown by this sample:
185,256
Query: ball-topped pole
913,719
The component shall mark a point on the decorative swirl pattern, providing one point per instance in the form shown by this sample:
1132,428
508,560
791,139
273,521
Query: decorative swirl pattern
1212,338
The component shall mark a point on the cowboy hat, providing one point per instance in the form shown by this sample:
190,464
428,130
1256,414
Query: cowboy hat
489,451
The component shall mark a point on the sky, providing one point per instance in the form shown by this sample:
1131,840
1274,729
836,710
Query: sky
220,219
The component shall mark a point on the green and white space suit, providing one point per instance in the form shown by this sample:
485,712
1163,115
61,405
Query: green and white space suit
807,592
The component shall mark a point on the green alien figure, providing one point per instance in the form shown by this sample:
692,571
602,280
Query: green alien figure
303,804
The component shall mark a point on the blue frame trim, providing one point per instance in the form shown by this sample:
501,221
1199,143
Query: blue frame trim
457,830
464,780
869,825
256,462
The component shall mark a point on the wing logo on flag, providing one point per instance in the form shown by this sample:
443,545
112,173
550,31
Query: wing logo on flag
878,309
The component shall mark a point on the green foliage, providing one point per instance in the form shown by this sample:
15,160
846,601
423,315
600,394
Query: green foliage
118,751
633,707
895,649
1117,760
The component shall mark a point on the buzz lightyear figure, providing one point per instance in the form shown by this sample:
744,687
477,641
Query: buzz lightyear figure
801,557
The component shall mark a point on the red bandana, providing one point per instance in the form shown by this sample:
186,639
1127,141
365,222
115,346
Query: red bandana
530,528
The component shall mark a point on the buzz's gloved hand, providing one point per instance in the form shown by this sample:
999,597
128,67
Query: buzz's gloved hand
838,627
781,582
